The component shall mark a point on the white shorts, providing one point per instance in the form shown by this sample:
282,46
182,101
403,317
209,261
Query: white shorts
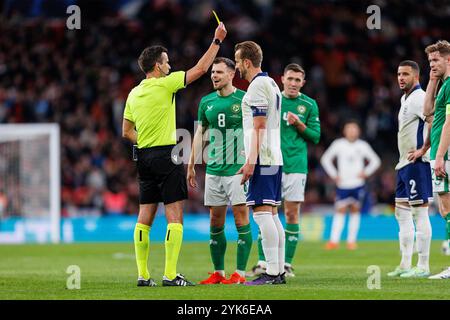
293,187
440,185
222,190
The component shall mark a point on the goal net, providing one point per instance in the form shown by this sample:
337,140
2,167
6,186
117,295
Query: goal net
30,182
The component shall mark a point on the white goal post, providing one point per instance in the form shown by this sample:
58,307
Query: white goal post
30,178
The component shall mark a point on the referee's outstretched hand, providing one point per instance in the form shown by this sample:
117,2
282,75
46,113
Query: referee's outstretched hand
221,32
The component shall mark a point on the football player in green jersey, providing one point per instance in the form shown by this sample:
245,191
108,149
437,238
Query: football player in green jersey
439,105
300,124
219,115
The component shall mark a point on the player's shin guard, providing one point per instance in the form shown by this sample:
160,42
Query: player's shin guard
423,235
244,246
174,238
141,248
292,235
217,247
281,243
406,235
270,240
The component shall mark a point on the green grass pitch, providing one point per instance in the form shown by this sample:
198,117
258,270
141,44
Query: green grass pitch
108,271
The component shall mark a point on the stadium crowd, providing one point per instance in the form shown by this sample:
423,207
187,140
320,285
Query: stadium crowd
81,78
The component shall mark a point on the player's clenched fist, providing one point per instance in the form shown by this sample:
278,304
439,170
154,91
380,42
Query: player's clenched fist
292,119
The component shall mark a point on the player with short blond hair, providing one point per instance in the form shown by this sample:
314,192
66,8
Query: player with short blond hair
261,113
300,125
437,103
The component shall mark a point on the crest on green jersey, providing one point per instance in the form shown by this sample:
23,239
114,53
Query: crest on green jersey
235,108
301,109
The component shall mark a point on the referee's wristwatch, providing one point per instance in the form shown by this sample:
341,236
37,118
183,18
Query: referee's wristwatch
217,41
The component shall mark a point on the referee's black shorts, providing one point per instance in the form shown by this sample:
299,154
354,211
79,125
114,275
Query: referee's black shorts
160,178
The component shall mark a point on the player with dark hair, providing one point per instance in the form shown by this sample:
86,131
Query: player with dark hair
350,176
414,190
220,115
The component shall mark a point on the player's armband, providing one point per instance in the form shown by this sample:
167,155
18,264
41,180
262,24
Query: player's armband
447,109
259,111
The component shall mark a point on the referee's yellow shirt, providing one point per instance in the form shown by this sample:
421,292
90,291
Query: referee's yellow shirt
151,106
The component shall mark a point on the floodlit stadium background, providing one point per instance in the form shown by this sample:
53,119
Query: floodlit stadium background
81,78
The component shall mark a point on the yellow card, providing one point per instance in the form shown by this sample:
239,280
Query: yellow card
217,18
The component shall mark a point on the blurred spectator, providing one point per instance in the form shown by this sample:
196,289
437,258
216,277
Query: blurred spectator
115,199
3,203
81,78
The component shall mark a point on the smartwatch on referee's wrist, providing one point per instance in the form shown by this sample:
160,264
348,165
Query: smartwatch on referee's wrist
217,41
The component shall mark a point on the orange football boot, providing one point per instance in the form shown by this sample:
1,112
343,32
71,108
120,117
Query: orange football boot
214,278
235,278
331,245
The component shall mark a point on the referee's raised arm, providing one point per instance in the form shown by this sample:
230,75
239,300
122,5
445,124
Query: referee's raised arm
206,61
149,120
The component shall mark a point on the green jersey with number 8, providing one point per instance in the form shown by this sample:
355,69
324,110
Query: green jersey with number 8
222,116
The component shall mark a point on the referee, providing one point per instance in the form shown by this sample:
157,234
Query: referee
149,122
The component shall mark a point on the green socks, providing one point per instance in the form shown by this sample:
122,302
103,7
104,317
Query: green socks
174,237
292,233
141,246
244,246
217,247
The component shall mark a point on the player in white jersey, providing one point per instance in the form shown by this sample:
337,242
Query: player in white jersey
261,112
350,177
414,190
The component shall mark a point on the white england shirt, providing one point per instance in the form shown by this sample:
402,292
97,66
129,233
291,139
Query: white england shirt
350,158
263,98
412,128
